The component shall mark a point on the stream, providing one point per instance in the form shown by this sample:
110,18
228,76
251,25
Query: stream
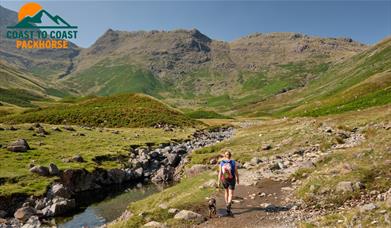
108,209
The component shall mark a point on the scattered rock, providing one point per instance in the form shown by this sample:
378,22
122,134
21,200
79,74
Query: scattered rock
213,161
19,145
40,170
56,129
163,175
189,216
32,222
344,186
24,213
307,164
61,207
41,131
12,128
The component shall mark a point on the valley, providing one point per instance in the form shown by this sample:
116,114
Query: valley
135,125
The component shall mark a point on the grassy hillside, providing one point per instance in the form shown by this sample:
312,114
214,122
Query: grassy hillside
356,83
126,110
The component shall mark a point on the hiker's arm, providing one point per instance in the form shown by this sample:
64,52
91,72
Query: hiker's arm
236,174
219,177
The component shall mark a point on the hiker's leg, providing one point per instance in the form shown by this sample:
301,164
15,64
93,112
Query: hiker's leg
226,195
230,195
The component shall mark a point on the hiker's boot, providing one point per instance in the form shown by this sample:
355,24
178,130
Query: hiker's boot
229,212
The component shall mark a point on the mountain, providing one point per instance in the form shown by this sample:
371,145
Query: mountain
362,81
188,64
42,19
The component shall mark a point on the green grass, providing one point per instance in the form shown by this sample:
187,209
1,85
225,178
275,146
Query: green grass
18,97
184,195
106,78
126,110
14,167
203,114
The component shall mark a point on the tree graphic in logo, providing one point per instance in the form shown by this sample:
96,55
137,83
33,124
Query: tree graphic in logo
33,16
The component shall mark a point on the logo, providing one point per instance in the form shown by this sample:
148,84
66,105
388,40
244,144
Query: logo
37,28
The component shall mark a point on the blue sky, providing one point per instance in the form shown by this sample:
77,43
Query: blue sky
364,21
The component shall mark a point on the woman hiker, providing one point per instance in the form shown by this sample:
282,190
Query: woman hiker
228,176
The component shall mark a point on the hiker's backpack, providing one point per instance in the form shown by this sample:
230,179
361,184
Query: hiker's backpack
227,169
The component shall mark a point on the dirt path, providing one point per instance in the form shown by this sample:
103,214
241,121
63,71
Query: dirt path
258,204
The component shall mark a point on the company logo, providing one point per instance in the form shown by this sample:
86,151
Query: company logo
37,28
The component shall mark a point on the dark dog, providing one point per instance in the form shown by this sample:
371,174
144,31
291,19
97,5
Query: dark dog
212,207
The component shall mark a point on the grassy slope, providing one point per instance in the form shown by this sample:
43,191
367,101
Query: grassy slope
21,88
59,145
368,159
359,82
126,110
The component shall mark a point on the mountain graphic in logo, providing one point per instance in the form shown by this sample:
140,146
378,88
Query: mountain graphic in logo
33,16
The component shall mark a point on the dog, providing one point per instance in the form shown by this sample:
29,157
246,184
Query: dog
212,207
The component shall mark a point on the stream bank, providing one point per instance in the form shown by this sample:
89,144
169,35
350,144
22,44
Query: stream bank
144,164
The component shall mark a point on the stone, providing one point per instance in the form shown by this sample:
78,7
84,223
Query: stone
255,161
266,146
59,190
163,206
56,129
139,172
368,207
388,202
40,170
173,159
195,170
41,131
19,145
189,216
53,169
163,175
154,224
344,186
3,214
32,222
62,207
77,158
24,213
69,128
173,210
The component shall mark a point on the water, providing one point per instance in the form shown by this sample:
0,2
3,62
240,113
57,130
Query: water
107,210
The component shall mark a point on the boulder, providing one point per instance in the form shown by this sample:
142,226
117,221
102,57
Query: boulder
139,172
61,207
307,164
24,213
195,170
344,186
59,190
19,145
41,131
53,169
163,175
368,207
173,159
40,170
189,216
77,158
155,224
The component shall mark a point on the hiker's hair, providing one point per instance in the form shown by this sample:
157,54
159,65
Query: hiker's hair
228,153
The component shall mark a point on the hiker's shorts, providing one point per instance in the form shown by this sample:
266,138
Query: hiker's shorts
229,184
